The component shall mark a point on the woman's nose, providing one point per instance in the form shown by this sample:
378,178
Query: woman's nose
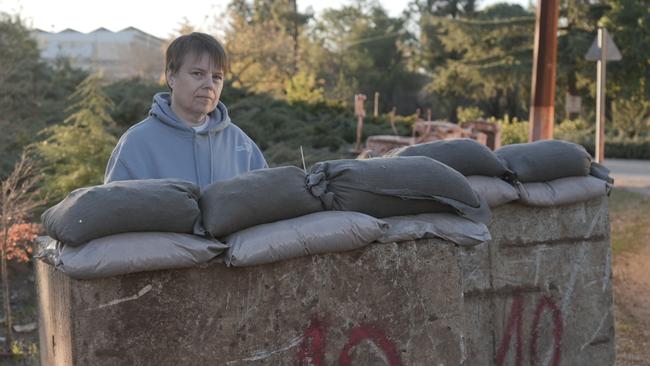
208,82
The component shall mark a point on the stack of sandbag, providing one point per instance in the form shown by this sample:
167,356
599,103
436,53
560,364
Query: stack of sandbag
486,173
275,214
554,172
269,215
129,226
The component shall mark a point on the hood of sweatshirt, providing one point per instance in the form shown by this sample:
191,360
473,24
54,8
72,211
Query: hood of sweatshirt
218,120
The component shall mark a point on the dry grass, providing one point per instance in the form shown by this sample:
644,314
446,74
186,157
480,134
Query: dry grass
630,221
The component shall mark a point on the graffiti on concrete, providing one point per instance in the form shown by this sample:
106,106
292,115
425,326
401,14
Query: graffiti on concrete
312,348
515,325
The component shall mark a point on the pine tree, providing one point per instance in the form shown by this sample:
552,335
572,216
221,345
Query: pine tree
76,151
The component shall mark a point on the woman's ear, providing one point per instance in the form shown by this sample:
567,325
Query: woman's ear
170,79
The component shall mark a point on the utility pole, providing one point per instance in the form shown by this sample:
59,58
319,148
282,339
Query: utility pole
542,106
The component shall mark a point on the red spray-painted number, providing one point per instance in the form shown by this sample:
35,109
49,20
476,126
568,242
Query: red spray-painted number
514,326
312,348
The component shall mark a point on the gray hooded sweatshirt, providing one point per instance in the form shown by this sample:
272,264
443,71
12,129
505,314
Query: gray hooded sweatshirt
163,146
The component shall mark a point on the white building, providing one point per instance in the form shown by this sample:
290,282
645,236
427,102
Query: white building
127,53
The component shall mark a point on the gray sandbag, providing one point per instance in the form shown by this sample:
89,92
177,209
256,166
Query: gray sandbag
255,198
449,227
545,160
562,191
135,252
48,250
467,156
495,190
600,172
165,205
321,232
395,186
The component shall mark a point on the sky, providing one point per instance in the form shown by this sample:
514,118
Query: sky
159,18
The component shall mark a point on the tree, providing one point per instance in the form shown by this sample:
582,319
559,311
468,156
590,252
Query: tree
443,8
628,21
19,197
482,60
21,237
132,100
19,84
31,91
257,40
76,151
361,50
303,87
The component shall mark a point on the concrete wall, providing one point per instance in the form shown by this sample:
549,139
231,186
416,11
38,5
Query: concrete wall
539,293
385,304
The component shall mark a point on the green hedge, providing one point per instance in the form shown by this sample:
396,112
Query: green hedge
622,149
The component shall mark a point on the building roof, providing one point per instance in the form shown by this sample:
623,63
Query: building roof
134,29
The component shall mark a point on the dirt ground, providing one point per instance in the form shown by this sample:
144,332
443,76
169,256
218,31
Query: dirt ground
631,267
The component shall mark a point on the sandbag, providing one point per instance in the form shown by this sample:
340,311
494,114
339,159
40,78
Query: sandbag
600,172
467,156
449,227
395,186
562,191
495,190
546,160
135,252
164,205
321,232
255,198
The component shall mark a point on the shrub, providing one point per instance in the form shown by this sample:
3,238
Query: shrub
513,131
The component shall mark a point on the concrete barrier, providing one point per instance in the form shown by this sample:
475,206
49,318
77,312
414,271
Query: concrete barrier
385,304
538,293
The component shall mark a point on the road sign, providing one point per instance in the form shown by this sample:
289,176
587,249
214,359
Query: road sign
612,52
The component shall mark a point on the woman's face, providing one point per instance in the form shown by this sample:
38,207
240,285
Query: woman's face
196,88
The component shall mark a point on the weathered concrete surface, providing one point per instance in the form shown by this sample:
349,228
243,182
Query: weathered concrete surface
383,305
540,292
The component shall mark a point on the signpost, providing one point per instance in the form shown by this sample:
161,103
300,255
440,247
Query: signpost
360,112
602,50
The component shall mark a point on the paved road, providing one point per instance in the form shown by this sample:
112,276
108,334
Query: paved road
630,174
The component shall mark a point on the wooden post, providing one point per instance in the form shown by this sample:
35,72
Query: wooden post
542,109
376,107
391,118
360,112
600,96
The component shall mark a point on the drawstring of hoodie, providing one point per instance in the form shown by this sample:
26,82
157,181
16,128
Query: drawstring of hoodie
197,170
211,156
196,163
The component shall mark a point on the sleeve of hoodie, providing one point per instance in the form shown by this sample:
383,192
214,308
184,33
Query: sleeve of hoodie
116,169
257,158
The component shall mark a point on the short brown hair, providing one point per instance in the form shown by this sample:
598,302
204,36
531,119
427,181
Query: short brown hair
194,43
